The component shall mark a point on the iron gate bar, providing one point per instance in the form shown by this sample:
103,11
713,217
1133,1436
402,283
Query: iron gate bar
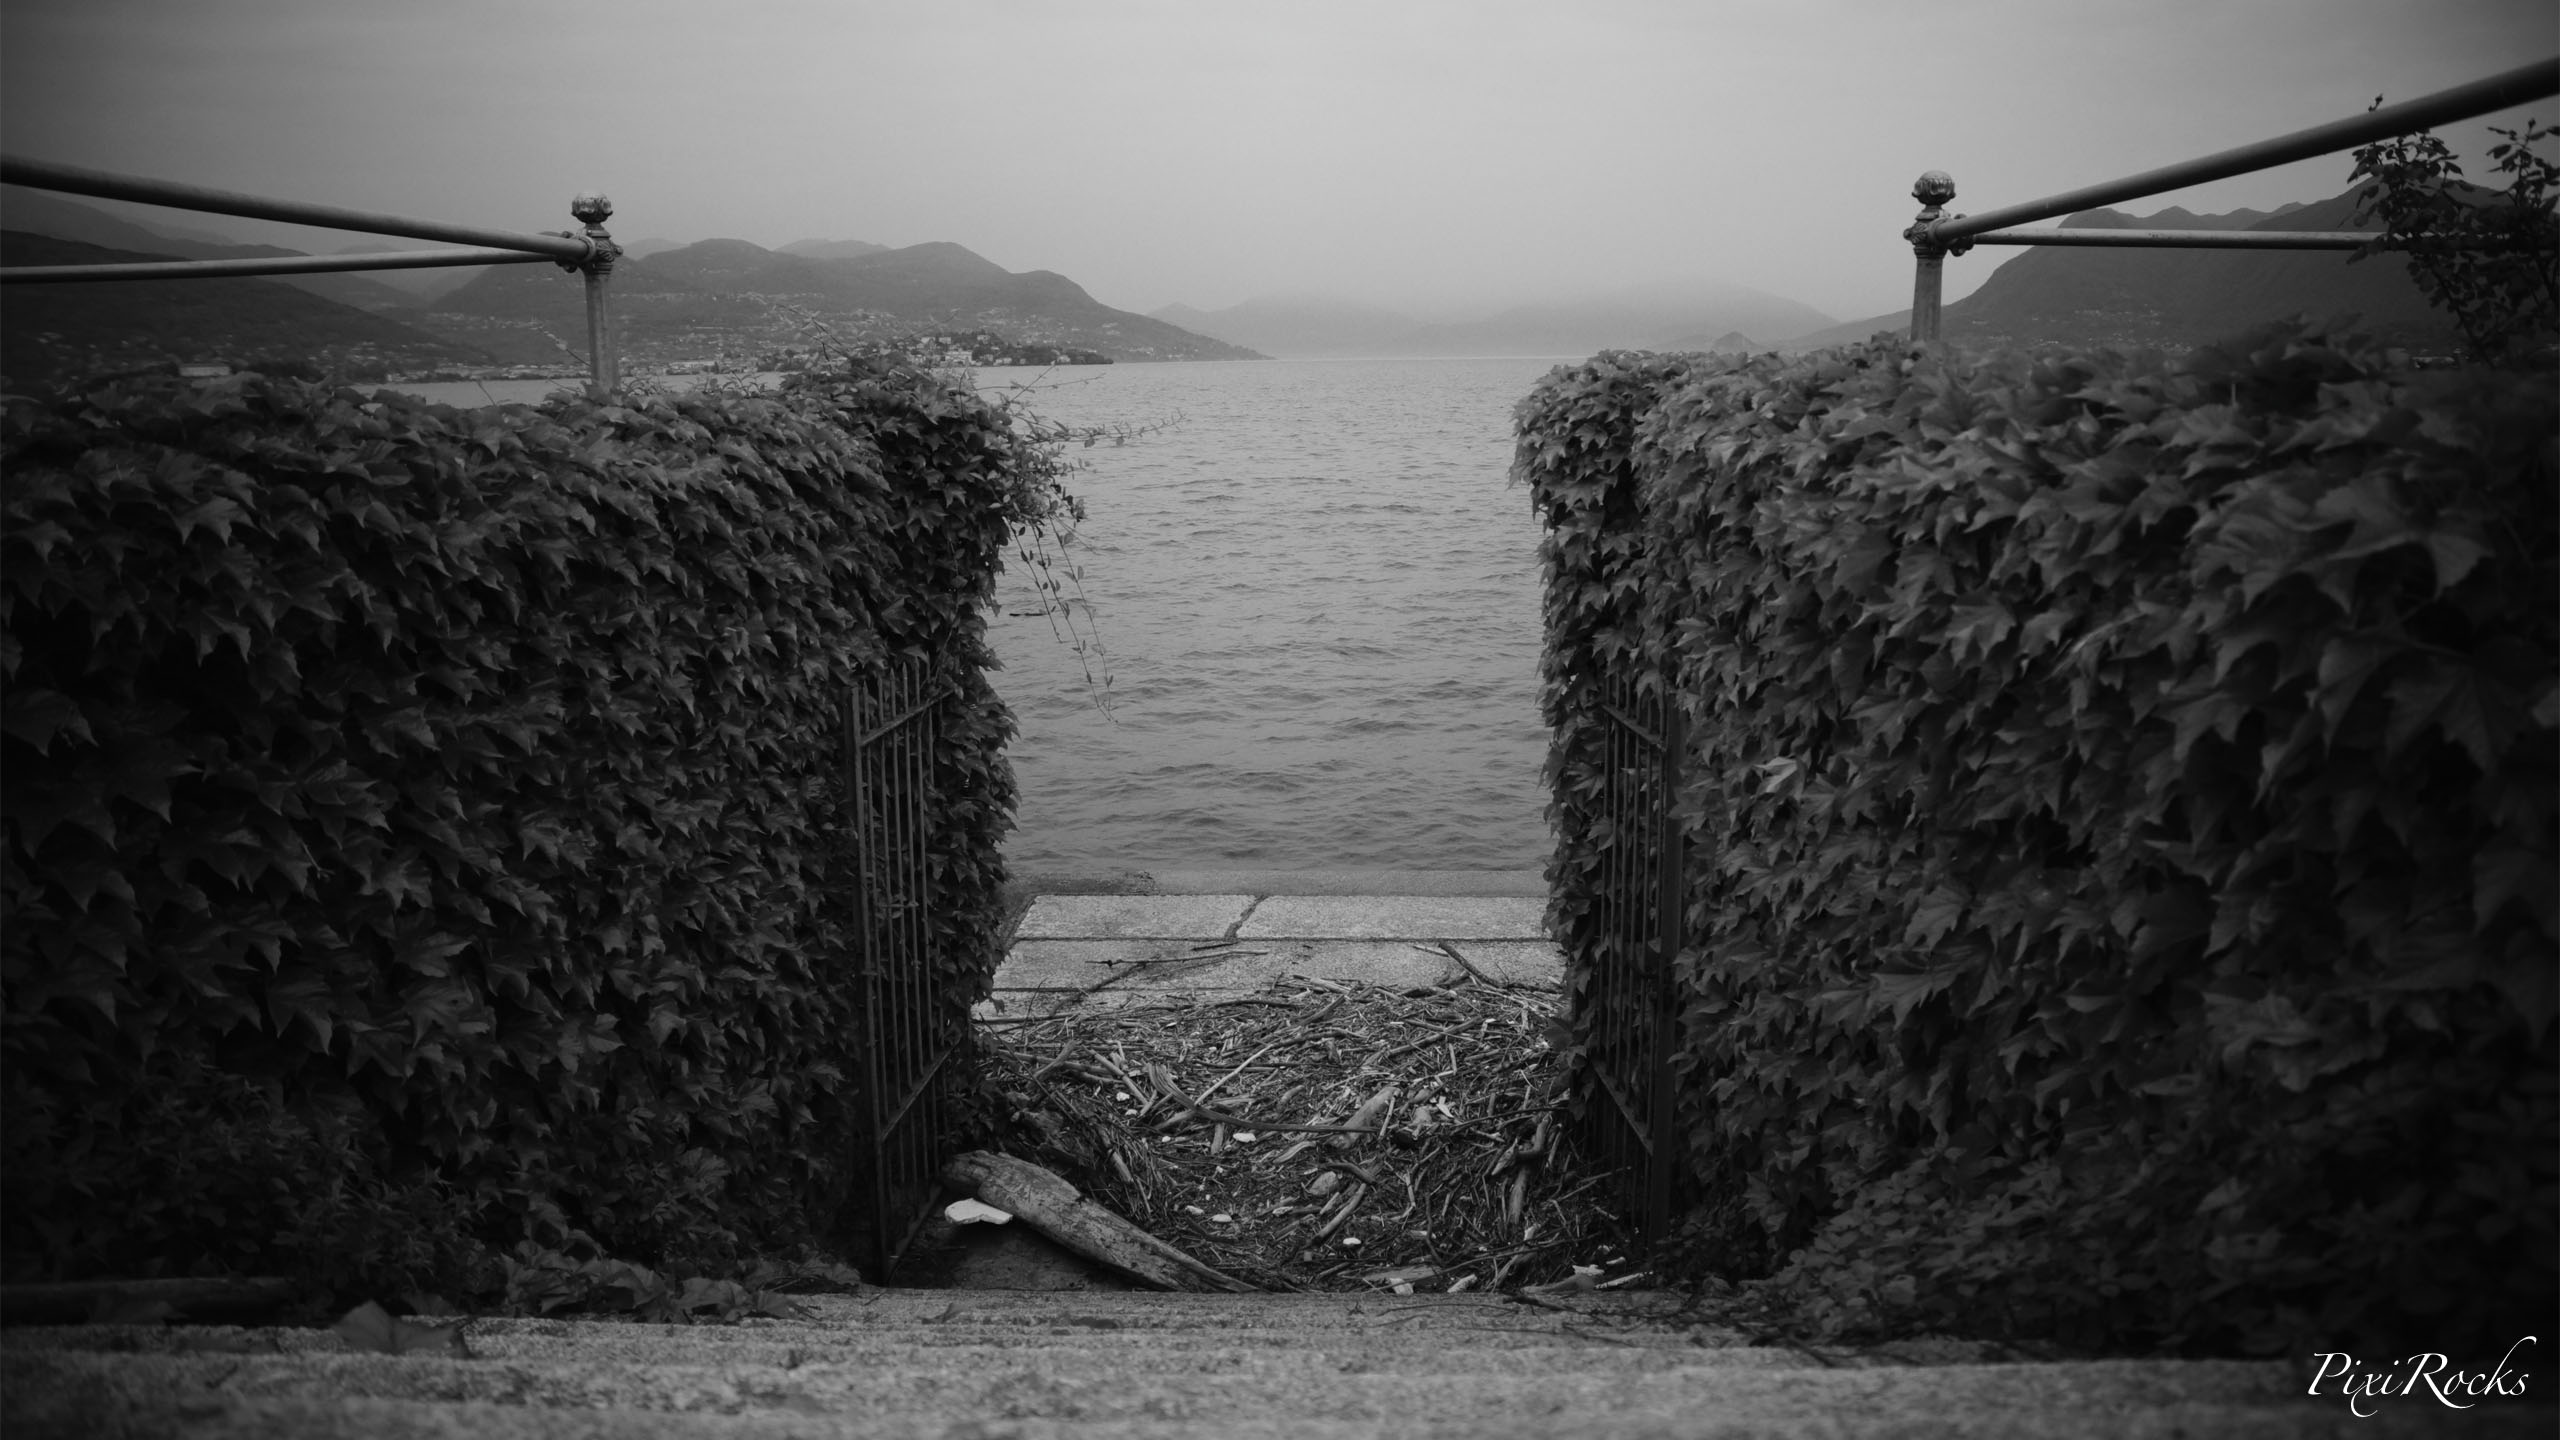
938,695
1628,1110
1670,926
270,265
890,742
916,1091
1632,1026
107,185
1632,724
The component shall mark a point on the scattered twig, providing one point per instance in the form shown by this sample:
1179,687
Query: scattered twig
1185,959
1481,978
1477,1115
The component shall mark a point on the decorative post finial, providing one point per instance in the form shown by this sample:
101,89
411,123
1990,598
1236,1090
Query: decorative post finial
591,209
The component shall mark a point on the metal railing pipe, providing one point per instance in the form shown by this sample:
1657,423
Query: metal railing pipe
2187,239
105,185
2537,81
266,265
591,253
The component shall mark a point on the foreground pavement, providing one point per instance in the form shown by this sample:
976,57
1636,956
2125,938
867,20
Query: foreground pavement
1086,1366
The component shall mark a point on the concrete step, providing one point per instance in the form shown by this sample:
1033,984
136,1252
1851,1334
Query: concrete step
1105,952
1284,917
919,1363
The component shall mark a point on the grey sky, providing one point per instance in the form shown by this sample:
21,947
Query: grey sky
1429,154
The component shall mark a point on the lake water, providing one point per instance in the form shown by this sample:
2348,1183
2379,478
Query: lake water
1316,596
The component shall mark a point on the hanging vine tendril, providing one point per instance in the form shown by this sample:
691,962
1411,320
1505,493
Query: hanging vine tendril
1046,452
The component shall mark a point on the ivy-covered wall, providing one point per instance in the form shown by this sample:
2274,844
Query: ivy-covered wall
422,832
2122,800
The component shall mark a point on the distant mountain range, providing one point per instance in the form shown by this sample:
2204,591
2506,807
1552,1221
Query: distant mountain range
2174,299
1662,317
740,293
1299,326
714,299
820,249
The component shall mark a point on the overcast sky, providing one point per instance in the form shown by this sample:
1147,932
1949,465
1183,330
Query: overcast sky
1435,155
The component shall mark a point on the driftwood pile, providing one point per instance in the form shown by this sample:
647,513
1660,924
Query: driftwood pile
1321,1135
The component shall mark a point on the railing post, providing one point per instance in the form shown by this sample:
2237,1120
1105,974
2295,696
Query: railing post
603,366
1933,190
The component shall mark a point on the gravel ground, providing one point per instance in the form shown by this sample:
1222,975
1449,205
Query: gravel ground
1092,1364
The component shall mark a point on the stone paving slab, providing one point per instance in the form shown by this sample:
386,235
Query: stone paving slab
1100,917
1516,962
1396,917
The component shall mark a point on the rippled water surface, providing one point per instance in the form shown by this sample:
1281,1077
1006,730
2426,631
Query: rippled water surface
1318,596
1317,599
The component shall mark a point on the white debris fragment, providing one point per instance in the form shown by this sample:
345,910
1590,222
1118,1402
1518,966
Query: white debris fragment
975,1212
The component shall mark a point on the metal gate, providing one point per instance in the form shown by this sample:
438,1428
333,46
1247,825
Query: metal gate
891,731
1629,1032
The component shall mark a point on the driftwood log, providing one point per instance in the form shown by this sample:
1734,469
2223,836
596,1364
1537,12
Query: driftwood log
1051,1206
73,1302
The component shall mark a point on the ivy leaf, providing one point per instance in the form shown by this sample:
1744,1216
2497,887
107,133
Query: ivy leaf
37,715
2446,697
2455,556
2511,872
1936,914
1906,992
216,514
2238,1026
2531,986
2346,663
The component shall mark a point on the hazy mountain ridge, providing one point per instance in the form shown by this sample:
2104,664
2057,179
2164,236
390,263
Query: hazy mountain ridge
824,249
1301,326
1657,317
734,295
2175,299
